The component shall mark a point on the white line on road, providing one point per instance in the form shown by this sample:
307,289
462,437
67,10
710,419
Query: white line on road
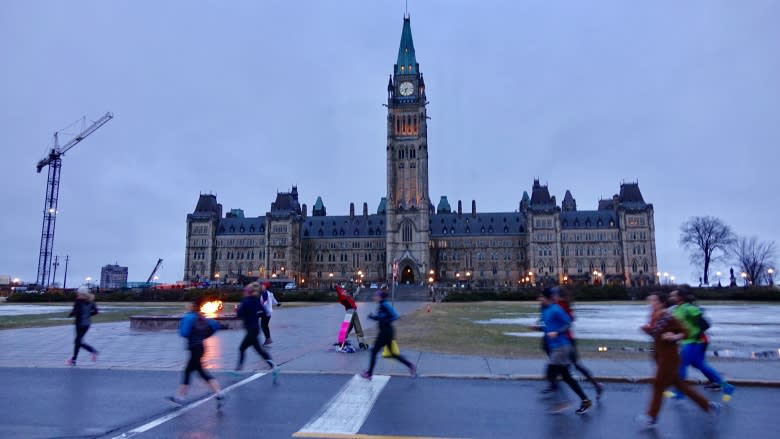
163,419
346,412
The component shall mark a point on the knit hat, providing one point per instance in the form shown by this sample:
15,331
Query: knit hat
267,285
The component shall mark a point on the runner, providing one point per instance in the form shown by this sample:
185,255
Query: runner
555,323
83,309
666,332
268,301
385,314
563,299
195,328
248,311
694,345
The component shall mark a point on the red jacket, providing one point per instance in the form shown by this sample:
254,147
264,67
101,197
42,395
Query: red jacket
345,299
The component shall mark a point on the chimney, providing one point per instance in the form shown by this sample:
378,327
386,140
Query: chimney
460,208
303,210
365,210
351,210
474,208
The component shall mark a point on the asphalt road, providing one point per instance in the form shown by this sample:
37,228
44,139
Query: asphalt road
74,403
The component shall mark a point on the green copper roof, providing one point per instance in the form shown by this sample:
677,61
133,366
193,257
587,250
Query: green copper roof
382,209
444,205
407,63
526,198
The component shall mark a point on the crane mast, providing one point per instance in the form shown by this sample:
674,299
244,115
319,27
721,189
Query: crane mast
54,162
156,267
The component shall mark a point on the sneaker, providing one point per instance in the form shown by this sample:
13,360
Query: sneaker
413,371
70,362
599,392
94,356
728,391
176,400
274,374
559,408
645,421
713,387
220,401
268,341
584,407
365,375
673,395
714,412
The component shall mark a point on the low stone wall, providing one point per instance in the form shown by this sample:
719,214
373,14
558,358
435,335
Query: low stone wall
158,323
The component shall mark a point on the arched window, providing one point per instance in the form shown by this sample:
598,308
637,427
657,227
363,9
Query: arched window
397,125
406,232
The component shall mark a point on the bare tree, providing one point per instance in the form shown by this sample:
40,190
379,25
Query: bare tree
708,239
754,257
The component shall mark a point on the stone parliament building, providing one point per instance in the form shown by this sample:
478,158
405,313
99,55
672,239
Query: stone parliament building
540,242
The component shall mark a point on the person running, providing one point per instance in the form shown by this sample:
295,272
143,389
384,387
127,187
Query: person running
666,331
694,345
268,301
248,311
563,299
555,322
83,309
195,327
384,315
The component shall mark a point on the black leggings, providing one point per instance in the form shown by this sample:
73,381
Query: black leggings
250,339
556,370
78,344
196,353
264,325
574,357
384,338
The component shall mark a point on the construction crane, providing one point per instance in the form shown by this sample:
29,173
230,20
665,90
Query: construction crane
54,162
156,267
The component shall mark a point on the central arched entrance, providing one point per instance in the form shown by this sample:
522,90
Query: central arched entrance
407,275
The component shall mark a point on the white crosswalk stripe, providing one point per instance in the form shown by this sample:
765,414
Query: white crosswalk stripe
346,412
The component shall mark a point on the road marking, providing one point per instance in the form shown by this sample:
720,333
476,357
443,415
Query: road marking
163,419
360,436
346,412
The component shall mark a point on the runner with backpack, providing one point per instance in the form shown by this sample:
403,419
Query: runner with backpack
248,310
695,344
195,327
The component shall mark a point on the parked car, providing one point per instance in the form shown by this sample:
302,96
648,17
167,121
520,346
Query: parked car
290,286
374,285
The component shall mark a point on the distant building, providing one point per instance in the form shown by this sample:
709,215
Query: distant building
537,242
113,276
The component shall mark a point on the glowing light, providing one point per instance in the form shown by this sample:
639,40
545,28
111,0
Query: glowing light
211,308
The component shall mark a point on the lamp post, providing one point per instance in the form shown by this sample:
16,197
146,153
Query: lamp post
717,276
468,279
744,278
330,276
770,271
658,276
666,277
216,278
671,278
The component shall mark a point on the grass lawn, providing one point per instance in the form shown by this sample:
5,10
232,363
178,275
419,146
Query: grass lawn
451,328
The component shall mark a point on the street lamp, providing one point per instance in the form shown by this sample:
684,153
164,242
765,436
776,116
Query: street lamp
770,271
744,277
671,278
658,275
717,275
666,277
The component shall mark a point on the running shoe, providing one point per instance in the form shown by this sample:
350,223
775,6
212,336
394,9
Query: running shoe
645,421
599,392
220,401
274,374
673,395
176,400
728,391
70,362
713,387
584,406
268,342
365,375
94,356
413,371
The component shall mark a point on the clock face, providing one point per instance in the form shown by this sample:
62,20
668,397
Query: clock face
406,88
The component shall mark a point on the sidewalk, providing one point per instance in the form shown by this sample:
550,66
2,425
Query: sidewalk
303,338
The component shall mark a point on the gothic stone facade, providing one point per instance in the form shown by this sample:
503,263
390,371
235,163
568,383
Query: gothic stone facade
540,242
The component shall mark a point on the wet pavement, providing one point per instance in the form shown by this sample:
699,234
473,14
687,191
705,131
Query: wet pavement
455,395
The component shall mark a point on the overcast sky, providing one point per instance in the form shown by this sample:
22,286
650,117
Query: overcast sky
246,98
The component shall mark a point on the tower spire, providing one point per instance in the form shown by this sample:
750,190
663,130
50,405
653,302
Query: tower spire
407,62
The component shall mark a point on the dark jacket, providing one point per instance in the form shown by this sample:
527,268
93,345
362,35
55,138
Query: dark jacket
384,315
83,310
248,310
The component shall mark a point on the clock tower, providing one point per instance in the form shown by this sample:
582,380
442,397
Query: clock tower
408,203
